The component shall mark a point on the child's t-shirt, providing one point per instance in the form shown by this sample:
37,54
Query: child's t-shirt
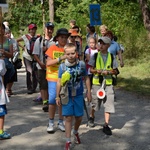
2,67
90,52
76,82
3,96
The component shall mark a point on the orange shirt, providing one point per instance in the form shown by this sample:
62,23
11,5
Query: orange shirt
52,71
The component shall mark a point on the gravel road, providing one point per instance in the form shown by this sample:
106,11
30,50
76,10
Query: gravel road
27,124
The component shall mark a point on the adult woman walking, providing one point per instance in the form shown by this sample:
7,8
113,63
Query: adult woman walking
6,52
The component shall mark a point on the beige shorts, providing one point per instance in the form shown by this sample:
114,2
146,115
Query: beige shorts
108,101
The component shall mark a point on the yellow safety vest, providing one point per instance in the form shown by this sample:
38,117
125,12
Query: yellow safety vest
100,65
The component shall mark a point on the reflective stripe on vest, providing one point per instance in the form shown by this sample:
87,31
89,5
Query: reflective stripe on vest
100,65
52,73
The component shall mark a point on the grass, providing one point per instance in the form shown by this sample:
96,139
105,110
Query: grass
135,76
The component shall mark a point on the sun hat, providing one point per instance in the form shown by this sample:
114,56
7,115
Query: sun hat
105,39
61,31
31,26
73,32
49,24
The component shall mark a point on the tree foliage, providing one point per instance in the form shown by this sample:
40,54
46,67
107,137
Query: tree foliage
123,17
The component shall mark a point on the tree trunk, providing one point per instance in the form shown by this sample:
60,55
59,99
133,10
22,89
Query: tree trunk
146,13
51,10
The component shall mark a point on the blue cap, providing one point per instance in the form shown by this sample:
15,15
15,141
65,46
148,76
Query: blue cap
49,24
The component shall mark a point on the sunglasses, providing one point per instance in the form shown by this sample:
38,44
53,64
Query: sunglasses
73,36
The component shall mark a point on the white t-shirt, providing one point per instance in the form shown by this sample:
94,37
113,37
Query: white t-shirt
3,96
38,48
27,46
90,52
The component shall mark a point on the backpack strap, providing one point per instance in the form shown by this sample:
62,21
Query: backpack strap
112,59
28,37
82,64
63,67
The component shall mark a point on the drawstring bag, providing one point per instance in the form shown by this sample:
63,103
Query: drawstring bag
64,96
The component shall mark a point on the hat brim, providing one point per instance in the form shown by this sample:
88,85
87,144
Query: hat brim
49,26
55,37
74,35
32,28
101,40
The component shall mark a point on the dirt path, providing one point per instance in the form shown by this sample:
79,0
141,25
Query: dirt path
27,124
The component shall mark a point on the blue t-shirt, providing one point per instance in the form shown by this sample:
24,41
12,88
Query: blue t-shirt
77,73
114,48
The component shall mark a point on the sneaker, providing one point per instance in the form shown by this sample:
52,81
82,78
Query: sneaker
68,146
45,108
50,128
107,130
38,99
91,122
77,139
30,92
5,135
61,126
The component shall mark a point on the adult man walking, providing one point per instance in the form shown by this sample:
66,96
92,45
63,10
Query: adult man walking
40,47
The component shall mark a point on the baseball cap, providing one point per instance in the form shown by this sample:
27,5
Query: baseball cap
31,26
49,24
61,31
105,39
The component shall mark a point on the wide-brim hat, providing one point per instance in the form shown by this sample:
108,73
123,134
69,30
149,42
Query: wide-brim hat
61,31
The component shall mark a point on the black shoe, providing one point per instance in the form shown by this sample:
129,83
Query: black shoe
91,122
30,92
45,108
107,130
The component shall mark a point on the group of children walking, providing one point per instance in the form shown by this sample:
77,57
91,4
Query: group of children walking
65,73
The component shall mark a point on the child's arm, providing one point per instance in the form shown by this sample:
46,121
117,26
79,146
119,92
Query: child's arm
58,92
50,61
88,86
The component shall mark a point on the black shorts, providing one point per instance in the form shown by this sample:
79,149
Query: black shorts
43,85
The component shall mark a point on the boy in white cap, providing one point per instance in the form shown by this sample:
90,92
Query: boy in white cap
103,65
40,47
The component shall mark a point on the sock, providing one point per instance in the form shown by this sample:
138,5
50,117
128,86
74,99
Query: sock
106,124
60,121
75,131
68,139
51,121
1,131
45,102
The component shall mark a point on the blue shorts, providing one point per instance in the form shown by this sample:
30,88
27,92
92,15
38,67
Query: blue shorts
52,92
75,107
3,110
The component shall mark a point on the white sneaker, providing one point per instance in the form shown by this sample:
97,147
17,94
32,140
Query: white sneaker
61,126
50,128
